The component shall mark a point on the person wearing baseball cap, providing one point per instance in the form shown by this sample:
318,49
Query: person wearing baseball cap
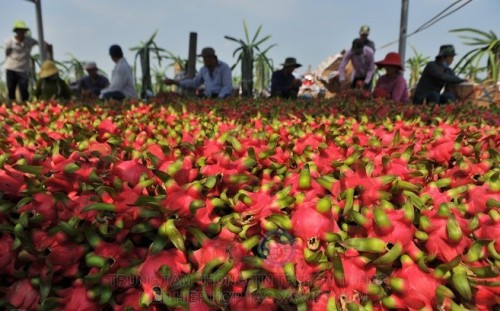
438,79
92,84
17,60
392,85
215,76
364,32
283,83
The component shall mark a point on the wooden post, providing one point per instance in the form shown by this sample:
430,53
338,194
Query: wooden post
191,65
193,37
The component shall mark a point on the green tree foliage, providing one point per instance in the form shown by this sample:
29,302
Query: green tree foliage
486,45
143,51
248,52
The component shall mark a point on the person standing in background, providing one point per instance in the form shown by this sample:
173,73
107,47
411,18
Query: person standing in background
364,32
18,61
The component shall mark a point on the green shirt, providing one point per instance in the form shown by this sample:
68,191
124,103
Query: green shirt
52,87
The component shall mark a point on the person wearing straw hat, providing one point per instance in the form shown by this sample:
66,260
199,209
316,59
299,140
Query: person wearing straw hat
283,83
92,84
438,75
392,85
50,85
17,60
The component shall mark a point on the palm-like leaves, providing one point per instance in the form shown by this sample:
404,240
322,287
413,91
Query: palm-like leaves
73,67
143,51
245,53
486,44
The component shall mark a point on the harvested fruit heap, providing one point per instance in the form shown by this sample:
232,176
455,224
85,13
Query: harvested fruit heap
343,204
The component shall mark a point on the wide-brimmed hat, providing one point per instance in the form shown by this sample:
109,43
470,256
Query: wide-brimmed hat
364,30
391,59
208,51
446,50
48,69
19,25
291,62
90,65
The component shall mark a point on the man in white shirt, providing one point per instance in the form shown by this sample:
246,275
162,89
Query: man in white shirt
122,80
18,60
215,76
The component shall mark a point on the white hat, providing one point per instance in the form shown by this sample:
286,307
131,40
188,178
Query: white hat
90,65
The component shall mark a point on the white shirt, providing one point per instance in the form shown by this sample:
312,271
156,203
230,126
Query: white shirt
19,58
122,80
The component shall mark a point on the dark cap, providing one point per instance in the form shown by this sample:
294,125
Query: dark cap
446,50
357,46
208,51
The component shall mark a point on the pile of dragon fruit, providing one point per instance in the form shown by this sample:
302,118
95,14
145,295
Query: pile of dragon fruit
187,204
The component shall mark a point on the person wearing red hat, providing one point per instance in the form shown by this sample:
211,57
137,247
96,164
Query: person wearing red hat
392,85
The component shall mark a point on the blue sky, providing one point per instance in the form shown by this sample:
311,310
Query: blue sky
311,31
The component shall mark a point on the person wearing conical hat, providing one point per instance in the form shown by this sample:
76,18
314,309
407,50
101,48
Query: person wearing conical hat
50,85
17,60
283,83
392,85
437,80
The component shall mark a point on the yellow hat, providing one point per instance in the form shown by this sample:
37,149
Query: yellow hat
48,69
19,25
364,30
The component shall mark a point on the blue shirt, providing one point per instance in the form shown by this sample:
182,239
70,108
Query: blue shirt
219,81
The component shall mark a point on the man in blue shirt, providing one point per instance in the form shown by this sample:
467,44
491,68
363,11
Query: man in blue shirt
215,75
283,82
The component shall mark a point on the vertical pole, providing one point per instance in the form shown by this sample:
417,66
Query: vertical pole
403,30
39,22
193,37
191,65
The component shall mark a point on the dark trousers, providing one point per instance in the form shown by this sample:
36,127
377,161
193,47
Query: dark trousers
18,79
116,95
435,98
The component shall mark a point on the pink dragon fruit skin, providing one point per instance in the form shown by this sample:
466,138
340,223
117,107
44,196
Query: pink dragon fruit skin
22,295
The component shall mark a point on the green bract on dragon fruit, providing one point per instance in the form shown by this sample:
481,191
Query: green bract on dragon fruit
189,204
